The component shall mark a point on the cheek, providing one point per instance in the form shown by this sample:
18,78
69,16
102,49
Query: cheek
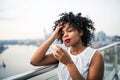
75,37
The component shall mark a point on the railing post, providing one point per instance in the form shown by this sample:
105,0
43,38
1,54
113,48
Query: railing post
116,61
103,54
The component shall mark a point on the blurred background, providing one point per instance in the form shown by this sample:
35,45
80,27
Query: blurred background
25,24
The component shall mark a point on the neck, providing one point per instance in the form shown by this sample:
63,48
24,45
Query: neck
77,49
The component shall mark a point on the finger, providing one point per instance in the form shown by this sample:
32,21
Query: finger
60,25
57,56
59,48
58,51
55,48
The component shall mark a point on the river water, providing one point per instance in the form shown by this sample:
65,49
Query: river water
16,59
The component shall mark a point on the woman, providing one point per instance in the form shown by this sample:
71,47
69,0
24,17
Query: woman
79,62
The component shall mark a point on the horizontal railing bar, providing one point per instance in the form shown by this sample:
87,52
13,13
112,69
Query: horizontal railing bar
108,46
32,73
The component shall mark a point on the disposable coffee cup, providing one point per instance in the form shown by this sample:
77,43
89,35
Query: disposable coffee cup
61,45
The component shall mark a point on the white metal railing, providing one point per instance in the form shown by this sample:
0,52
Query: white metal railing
37,72
115,50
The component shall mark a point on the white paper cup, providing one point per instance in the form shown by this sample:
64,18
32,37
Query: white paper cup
61,45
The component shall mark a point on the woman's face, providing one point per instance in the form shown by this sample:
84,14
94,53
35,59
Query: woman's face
70,36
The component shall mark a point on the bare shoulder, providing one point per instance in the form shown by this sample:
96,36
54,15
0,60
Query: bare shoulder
97,59
97,56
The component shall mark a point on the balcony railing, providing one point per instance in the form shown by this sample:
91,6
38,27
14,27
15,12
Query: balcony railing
112,67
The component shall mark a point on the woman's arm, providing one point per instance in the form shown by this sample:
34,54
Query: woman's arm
74,73
96,70
40,58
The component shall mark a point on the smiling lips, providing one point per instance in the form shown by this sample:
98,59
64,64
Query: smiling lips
67,40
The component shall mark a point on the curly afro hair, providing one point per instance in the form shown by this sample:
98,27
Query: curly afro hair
78,22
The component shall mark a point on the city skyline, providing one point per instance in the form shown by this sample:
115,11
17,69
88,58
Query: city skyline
29,19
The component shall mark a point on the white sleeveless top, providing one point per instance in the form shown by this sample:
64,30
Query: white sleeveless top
82,62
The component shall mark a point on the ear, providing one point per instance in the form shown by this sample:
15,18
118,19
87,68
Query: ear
81,33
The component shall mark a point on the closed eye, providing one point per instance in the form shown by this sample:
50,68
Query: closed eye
70,29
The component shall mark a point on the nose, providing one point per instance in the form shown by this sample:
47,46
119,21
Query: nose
65,34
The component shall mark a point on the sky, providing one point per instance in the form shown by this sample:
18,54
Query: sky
30,19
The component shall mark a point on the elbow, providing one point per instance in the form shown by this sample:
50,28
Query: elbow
32,62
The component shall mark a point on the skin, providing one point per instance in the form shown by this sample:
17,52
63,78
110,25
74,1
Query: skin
71,38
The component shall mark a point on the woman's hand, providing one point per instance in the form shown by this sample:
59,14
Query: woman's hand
55,34
61,55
